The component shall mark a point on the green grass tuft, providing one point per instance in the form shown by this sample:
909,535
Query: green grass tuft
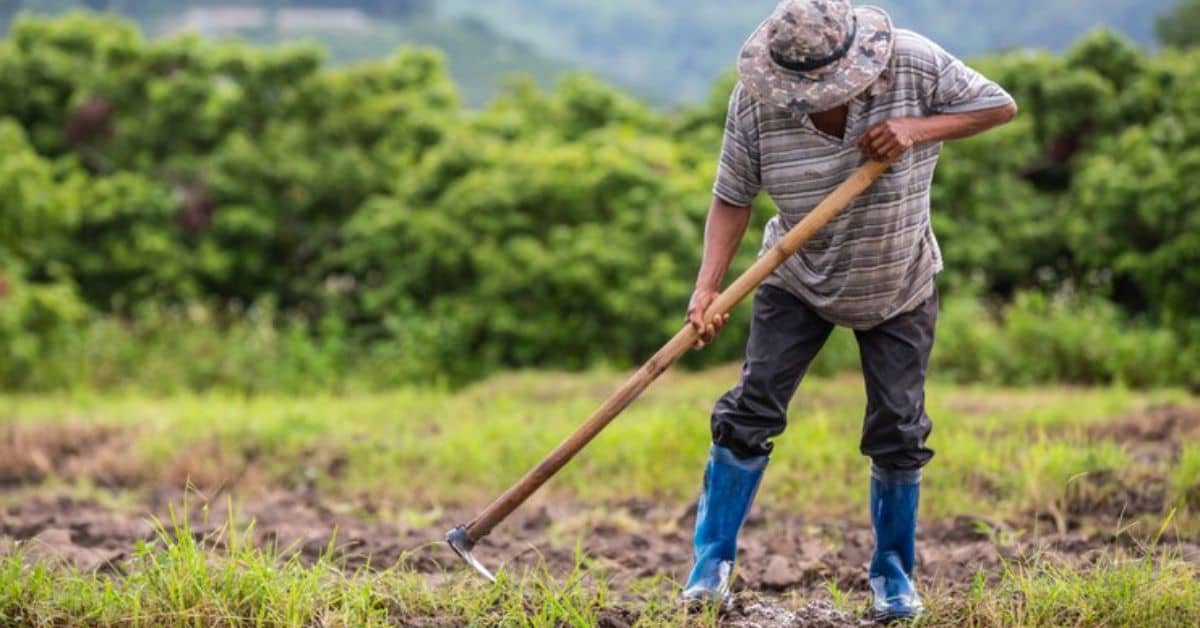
1117,591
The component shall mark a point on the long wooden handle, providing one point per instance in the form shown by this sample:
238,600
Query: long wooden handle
829,208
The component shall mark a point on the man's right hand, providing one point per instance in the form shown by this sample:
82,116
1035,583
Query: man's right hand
702,299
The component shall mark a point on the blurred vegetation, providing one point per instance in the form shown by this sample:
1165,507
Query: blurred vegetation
1181,26
187,214
669,51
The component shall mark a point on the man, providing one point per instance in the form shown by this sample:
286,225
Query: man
823,84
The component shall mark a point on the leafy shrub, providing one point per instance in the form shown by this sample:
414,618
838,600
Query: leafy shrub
1042,340
36,321
348,223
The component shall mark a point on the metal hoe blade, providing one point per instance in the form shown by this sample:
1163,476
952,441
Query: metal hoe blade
461,542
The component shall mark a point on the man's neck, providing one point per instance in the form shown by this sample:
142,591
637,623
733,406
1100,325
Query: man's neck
831,122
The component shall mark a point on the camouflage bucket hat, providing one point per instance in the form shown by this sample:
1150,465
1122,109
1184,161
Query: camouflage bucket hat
813,55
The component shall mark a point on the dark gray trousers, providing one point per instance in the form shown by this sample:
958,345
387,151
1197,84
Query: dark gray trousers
785,336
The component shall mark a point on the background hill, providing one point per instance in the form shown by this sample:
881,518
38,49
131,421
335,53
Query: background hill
669,51
479,56
673,49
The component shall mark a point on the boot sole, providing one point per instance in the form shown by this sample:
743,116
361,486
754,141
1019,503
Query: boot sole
703,603
893,617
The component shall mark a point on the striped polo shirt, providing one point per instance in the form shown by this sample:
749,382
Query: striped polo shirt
879,257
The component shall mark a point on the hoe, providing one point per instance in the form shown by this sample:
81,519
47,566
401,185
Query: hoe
463,539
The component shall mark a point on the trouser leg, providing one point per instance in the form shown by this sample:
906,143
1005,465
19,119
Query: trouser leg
895,358
785,336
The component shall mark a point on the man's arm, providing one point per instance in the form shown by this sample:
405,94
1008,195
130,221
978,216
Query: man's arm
722,234
892,138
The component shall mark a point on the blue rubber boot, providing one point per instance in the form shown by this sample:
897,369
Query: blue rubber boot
729,487
894,499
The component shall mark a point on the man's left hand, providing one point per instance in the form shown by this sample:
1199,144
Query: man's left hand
889,139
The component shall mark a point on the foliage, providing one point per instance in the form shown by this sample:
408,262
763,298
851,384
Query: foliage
361,215
1041,339
54,343
1181,25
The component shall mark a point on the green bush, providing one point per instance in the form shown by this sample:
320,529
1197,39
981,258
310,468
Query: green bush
38,322
1041,340
357,226
1180,26
54,345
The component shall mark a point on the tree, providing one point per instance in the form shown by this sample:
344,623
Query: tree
558,228
1180,26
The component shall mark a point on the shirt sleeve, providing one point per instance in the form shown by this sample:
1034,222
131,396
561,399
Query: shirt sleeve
738,173
958,88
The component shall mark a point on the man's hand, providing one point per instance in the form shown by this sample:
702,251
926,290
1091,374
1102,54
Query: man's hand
722,232
890,139
702,299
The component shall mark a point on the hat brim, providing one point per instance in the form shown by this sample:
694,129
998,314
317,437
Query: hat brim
828,87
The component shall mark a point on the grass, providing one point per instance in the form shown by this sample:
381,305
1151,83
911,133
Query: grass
429,447
1002,454
181,581
1116,592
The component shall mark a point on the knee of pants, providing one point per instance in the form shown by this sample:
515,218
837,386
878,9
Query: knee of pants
896,441
746,425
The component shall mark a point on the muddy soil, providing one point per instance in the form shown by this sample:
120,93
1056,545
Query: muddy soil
784,555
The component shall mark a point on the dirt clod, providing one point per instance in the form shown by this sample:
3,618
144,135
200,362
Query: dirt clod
55,546
781,574
616,618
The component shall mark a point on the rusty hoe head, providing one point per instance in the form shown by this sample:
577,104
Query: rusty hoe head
462,543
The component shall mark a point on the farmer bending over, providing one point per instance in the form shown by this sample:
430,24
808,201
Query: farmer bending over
822,84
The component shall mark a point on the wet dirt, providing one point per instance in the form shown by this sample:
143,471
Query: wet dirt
788,564
784,556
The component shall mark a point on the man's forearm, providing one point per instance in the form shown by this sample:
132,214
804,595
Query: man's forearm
722,234
957,126
890,139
